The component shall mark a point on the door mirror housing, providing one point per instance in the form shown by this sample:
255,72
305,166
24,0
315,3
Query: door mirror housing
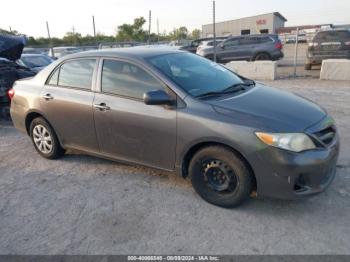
158,97
221,45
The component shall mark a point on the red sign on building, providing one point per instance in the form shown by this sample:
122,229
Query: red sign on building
261,22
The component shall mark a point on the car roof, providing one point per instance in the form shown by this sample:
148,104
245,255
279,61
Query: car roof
139,53
38,54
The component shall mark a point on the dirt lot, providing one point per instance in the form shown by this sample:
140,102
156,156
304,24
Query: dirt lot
84,205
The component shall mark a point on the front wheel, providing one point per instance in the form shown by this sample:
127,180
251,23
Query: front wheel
44,139
221,177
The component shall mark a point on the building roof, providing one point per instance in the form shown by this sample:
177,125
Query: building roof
278,14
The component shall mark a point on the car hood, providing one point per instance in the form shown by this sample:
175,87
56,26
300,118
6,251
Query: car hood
11,47
270,109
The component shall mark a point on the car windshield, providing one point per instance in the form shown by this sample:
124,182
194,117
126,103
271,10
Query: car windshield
194,74
36,61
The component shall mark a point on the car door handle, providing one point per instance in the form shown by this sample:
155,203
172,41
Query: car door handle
102,107
47,97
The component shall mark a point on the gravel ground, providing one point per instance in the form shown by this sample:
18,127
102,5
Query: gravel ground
84,205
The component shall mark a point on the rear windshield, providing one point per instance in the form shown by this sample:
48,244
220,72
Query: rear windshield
332,36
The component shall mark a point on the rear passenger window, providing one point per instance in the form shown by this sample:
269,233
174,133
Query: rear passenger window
53,81
122,78
77,73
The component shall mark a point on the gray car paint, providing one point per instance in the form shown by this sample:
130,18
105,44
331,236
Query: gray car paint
165,137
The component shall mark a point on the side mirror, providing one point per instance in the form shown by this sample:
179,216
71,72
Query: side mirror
221,45
158,97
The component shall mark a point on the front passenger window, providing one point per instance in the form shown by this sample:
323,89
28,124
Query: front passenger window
125,79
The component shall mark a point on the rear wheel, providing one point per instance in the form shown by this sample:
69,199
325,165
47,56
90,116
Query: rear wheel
221,177
44,139
262,56
308,67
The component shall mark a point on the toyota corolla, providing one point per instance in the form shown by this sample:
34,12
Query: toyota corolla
176,111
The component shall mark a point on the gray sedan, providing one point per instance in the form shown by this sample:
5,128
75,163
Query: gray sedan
179,112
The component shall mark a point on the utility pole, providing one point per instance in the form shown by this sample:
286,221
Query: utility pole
10,29
158,30
49,36
93,25
149,27
214,31
296,52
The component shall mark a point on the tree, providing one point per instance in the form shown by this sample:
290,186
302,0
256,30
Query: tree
72,38
196,33
179,33
132,32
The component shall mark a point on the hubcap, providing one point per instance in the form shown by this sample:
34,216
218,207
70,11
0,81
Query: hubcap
42,139
219,176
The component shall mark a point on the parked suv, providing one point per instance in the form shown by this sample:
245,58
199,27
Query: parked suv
326,45
249,47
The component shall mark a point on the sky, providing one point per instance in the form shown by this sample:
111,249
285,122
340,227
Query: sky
29,16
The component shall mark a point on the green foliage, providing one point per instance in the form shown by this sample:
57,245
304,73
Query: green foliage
196,33
132,32
125,32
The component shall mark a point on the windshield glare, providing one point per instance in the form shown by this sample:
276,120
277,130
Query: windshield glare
194,74
36,61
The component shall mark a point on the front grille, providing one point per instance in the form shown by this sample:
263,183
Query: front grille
326,135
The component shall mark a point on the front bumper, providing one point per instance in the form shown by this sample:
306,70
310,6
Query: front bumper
288,175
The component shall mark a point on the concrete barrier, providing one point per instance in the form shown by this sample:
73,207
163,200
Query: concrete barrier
335,69
258,70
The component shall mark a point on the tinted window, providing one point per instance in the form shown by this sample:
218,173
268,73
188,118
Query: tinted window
231,42
54,78
195,74
332,36
77,73
248,41
264,39
126,79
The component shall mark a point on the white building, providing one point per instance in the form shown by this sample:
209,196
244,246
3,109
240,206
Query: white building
259,24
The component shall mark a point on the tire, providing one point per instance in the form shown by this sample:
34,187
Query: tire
308,67
44,139
210,57
262,57
221,177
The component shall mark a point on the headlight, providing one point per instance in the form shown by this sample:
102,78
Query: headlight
295,142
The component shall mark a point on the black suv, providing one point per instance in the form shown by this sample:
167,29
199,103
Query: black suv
248,47
326,45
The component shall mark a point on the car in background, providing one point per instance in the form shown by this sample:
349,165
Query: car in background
11,48
192,47
60,51
329,44
118,45
35,50
302,38
207,44
35,62
179,112
247,47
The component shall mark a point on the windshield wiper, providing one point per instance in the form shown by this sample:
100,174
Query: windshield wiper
231,89
238,87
